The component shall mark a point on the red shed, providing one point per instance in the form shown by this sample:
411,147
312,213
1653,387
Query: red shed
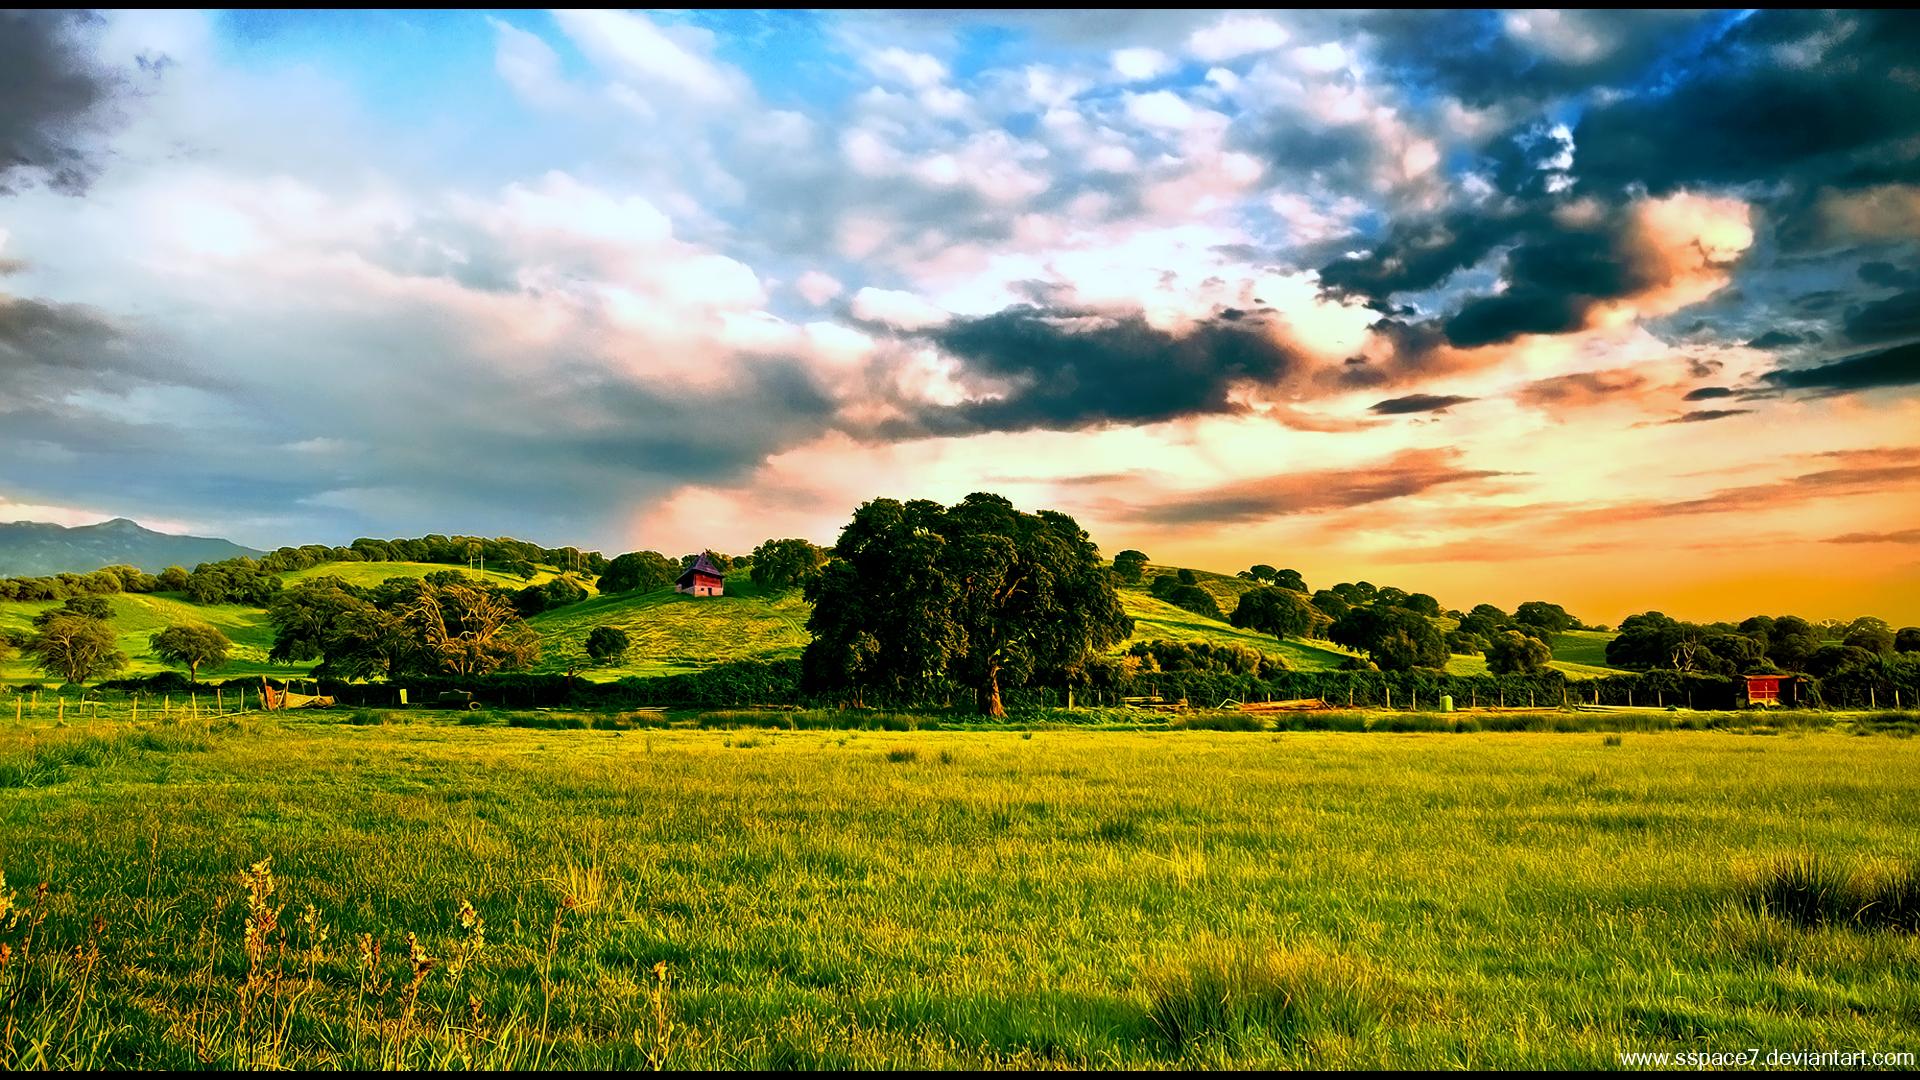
701,579
1773,689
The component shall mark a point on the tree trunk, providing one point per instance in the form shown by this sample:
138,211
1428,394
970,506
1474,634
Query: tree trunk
989,695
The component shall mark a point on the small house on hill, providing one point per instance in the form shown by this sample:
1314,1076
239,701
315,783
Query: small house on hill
701,579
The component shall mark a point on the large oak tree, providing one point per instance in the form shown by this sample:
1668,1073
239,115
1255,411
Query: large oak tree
978,591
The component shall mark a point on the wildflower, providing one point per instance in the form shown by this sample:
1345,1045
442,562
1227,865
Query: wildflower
417,954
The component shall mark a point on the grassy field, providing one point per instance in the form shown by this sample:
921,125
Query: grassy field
933,898
672,633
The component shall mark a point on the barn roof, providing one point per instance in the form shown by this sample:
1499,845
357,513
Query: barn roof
701,565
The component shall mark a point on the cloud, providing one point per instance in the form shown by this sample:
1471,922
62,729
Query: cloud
662,65
1881,369
1140,64
1405,474
1583,389
51,94
1782,339
1708,393
817,288
1701,415
1234,36
1902,536
1067,369
900,310
1418,403
1717,120
1891,319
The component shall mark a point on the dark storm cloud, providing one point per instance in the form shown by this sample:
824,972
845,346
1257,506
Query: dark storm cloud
1472,54
1897,366
1555,273
1793,104
1708,393
1892,319
1827,98
1420,253
1781,339
1070,370
1418,403
1702,415
48,351
1408,473
48,95
1888,276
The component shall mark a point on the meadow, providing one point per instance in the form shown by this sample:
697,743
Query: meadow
707,890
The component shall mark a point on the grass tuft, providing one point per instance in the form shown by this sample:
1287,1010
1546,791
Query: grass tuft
1247,994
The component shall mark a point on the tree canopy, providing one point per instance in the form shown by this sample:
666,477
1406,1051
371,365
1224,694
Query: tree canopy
978,591
1393,637
1130,565
783,564
606,644
1510,652
1284,613
192,646
74,641
638,571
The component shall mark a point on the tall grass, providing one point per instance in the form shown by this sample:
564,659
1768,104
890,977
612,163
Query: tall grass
446,895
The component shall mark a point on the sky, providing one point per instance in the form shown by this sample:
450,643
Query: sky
1619,310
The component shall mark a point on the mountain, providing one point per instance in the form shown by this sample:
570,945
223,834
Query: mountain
37,549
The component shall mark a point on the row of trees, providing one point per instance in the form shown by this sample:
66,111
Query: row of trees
1397,630
107,581
1654,640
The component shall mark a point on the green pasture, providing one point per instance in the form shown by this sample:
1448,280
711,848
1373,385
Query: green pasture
508,890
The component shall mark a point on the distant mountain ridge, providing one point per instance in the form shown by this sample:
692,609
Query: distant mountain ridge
39,549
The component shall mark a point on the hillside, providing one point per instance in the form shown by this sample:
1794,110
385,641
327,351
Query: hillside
673,634
1156,620
367,574
37,549
135,618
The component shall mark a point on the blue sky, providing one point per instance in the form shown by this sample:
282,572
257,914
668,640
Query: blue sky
1472,300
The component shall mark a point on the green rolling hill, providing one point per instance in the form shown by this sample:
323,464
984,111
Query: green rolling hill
367,574
135,618
674,634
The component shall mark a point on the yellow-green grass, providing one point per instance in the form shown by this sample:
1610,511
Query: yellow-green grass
373,573
672,633
1584,649
137,617
688,898
1156,620
1460,664
1226,588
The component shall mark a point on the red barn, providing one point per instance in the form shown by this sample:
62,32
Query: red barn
701,579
